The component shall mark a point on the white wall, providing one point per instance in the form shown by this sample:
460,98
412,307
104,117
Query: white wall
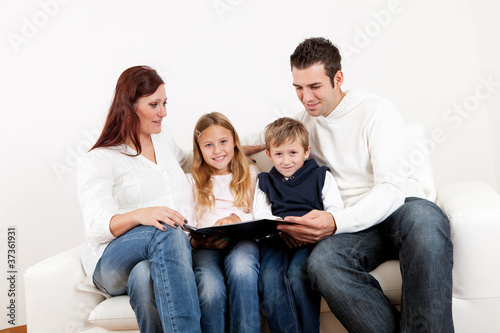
60,61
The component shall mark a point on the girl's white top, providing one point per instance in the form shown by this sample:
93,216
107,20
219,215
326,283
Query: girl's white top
224,201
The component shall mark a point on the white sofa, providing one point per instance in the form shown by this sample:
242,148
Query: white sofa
55,301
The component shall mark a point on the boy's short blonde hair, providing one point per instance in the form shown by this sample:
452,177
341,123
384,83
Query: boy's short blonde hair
285,130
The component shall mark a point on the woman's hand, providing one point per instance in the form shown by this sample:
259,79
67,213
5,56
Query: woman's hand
153,216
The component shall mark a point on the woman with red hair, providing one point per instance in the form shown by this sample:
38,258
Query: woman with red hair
131,188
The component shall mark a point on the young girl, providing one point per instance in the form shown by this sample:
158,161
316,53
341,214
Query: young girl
226,271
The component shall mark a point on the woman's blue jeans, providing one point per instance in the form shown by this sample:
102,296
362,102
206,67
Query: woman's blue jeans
227,278
154,268
289,302
418,234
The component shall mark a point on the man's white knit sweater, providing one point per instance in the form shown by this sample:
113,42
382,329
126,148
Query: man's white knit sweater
363,142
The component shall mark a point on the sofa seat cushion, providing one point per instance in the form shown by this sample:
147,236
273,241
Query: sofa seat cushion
388,274
115,313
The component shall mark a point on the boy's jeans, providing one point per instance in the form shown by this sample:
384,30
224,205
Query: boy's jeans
289,302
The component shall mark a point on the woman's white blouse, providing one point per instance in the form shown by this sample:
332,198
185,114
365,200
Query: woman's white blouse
110,182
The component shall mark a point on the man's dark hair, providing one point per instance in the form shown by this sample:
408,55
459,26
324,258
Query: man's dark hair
317,50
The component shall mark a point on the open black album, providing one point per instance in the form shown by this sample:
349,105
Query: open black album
255,229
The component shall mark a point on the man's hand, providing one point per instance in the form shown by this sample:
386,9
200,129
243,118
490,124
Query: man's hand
310,228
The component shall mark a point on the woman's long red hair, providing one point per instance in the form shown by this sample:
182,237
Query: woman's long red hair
122,122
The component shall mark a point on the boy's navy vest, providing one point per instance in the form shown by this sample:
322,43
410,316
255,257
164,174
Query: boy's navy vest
297,195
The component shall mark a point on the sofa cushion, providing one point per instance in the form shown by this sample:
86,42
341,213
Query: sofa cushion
388,274
115,313
50,290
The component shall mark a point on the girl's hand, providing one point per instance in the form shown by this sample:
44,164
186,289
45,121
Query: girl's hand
233,218
152,216
290,241
213,242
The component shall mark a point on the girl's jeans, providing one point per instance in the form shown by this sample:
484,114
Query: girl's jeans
227,279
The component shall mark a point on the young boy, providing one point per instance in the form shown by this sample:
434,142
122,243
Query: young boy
294,187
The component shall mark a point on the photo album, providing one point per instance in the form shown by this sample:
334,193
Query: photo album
255,229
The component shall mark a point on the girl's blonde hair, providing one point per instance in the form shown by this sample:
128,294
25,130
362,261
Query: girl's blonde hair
240,186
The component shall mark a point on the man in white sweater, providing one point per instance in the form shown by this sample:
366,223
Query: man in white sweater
361,138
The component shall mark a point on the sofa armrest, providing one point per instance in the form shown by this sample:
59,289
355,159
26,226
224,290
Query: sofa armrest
474,212
53,301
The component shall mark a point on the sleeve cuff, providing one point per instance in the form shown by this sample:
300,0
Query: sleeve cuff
344,222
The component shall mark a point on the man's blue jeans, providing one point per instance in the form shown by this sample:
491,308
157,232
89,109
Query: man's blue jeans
154,268
289,302
227,278
418,234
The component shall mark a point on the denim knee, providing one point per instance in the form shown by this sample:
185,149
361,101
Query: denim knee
242,261
297,268
140,282
324,255
425,225
211,294
110,281
174,239
337,257
210,282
